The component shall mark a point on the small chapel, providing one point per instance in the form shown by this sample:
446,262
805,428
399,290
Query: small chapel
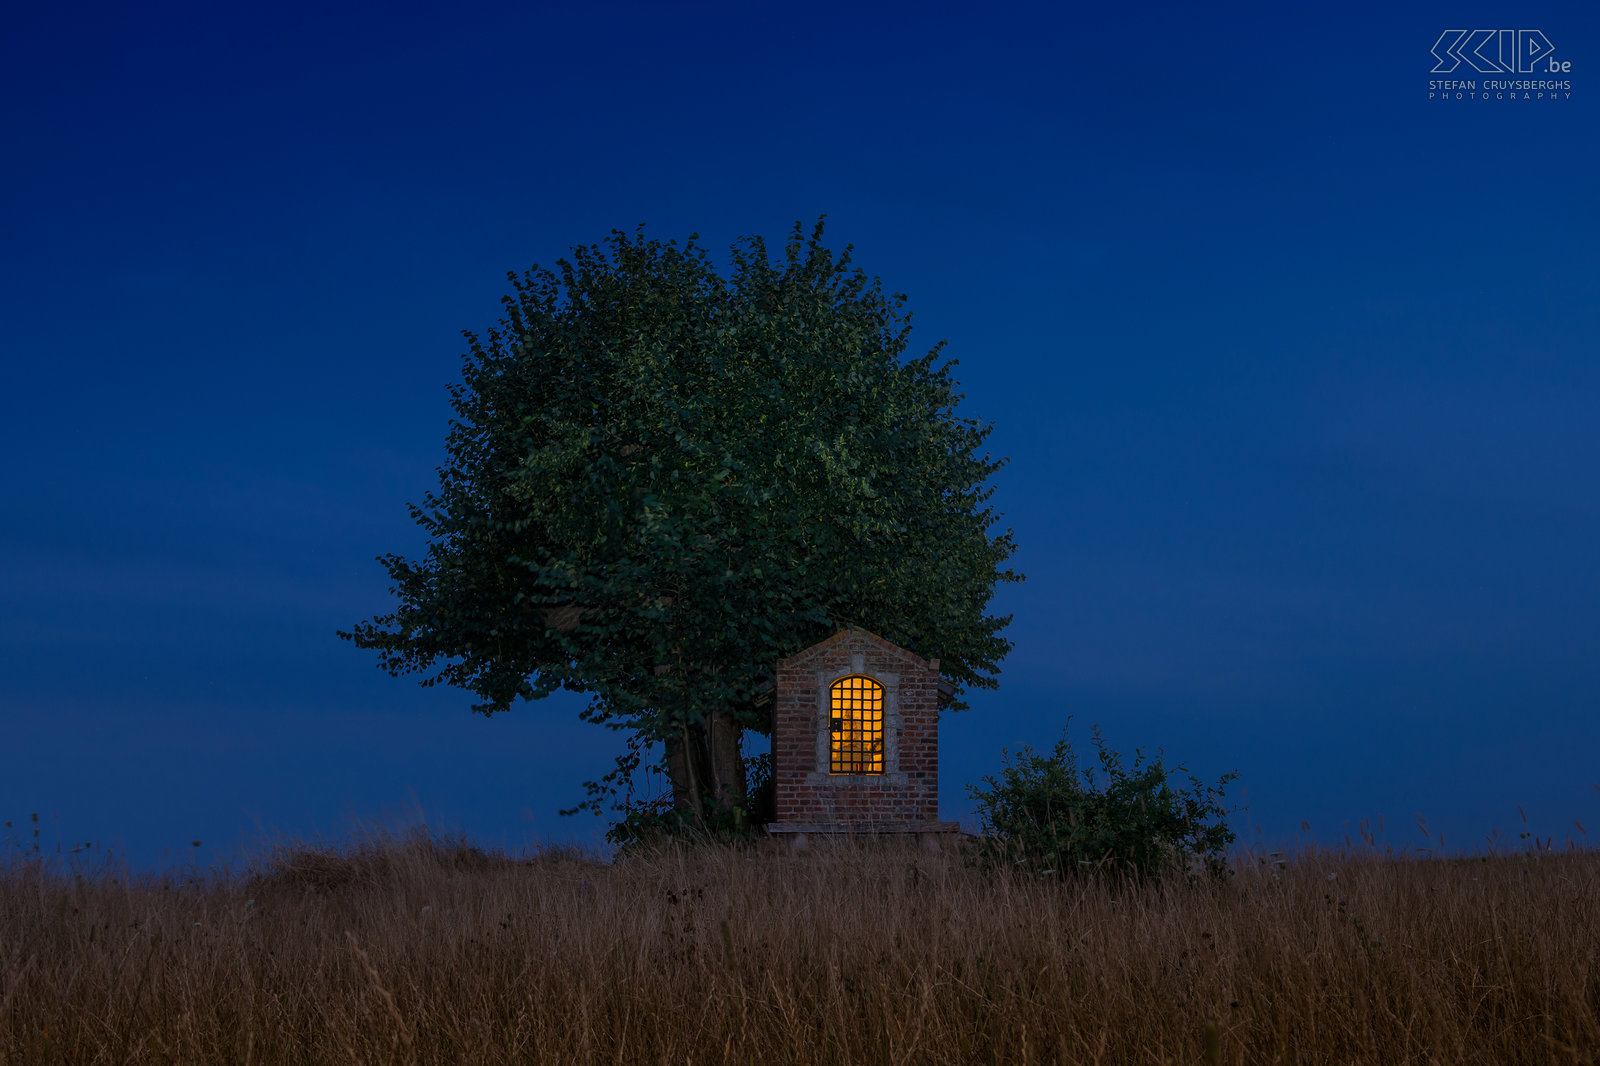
855,741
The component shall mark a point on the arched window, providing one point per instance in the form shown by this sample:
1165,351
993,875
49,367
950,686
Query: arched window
857,726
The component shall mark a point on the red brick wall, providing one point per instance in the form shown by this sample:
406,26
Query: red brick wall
912,750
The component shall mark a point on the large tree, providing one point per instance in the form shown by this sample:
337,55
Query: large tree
661,481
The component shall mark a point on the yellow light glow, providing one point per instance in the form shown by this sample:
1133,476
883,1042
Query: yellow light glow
857,726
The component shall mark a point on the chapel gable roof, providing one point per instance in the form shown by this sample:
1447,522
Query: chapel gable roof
861,639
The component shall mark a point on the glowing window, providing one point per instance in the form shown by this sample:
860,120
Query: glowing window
857,726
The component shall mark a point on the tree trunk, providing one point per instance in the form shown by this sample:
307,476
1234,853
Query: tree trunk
704,764
684,768
727,765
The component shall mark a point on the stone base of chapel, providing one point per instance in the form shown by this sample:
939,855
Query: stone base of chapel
931,835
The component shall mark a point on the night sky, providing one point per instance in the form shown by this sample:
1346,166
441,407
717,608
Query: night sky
1295,369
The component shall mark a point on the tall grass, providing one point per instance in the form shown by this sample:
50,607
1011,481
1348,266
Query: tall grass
414,950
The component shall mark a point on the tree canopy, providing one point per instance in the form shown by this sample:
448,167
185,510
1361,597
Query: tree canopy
660,481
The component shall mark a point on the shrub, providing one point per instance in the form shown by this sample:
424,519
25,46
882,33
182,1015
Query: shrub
650,823
1046,814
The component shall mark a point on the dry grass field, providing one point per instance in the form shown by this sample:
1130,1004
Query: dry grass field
406,950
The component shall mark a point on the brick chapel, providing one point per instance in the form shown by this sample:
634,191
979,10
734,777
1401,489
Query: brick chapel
855,741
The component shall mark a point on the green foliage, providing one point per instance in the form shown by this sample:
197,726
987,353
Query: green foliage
762,797
1048,815
709,474
652,822
647,825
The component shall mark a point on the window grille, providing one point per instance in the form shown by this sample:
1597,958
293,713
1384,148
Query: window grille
857,726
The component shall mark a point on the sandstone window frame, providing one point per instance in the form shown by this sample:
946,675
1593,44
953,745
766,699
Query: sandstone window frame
893,727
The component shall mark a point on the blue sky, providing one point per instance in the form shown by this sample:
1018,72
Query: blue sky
1295,369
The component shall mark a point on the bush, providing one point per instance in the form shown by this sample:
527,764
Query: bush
650,823
1045,814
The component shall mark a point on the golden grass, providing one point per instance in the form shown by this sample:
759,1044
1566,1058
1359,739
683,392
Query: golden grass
413,951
